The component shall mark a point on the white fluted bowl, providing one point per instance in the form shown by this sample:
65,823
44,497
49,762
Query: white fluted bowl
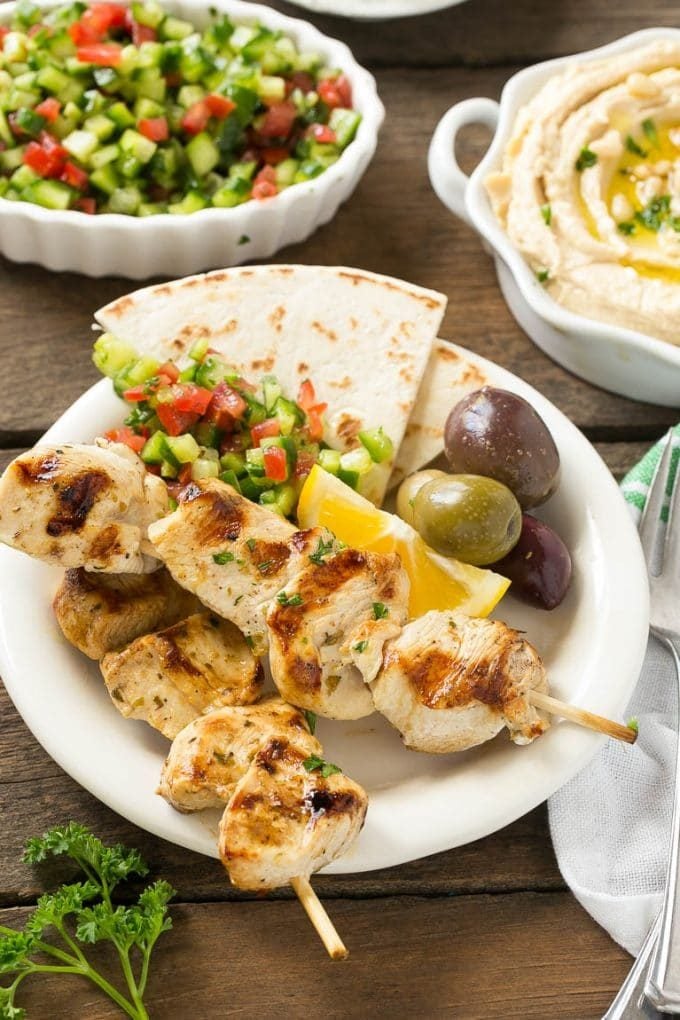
110,244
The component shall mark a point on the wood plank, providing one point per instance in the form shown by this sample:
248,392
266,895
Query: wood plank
393,224
468,957
486,32
6,456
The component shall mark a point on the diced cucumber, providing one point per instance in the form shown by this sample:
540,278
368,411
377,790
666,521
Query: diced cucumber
146,109
151,208
149,13
243,171
235,462
111,355
175,28
106,179
359,461
230,479
271,89
378,444
271,391
199,350
81,144
204,468
285,172
308,170
255,462
154,450
100,126
5,132
23,176
207,434
212,370
125,201
350,478
135,373
241,36
152,87
192,202
202,153
10,159
288,414
136,145
105,155
345,124
329,460
15,47
190,94
184,448
50,194
121,116
127,165
247,102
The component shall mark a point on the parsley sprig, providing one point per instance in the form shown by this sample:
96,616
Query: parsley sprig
322,549
83,913
316,764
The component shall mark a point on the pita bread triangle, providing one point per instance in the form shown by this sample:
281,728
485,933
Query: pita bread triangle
363,339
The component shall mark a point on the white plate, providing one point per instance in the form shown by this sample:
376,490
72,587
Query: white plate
374,10
593,646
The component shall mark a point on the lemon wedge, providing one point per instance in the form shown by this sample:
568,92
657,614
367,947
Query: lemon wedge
437,582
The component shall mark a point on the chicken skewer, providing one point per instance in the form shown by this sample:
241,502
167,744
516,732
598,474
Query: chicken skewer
287,814
326,652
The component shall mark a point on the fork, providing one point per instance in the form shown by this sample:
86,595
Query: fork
661,545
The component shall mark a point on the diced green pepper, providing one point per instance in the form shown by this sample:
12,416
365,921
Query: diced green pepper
378,444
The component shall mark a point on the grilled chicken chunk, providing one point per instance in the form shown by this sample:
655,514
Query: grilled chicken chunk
233,554
284,821
210,755
82,506
100,613
450,682
327,629
171,677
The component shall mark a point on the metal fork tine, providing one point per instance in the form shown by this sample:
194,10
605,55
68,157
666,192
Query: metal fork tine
651,516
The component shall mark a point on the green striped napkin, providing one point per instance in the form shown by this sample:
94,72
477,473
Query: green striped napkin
635,485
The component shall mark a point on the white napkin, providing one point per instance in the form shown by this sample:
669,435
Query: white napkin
611,824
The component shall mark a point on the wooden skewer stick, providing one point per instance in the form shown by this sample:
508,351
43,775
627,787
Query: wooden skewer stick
316,912
579,715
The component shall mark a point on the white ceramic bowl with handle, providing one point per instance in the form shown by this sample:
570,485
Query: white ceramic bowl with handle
621,360
111,244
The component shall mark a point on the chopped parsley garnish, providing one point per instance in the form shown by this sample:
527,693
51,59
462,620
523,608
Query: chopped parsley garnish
586,159
311,721
249,640
322,549
655,213
627,227
244,239
219,757
223,557
633,147
237,599
380,611
316,764
361,647
264,566
542,275
651,134
251,543
289,600
546,213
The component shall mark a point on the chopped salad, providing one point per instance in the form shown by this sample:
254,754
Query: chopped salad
106,108
206,421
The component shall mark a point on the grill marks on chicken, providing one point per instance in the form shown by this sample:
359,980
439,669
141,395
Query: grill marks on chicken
284,821
82,506
100,613
169,678
233,554
327,630
211,754
450,682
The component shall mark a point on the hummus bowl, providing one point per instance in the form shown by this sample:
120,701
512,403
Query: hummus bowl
617,356
177,245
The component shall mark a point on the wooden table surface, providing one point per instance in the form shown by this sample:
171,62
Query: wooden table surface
487,930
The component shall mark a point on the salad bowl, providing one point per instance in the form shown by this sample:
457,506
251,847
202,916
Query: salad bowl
176,245
615,358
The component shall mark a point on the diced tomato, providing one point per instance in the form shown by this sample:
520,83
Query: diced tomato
169,370
154,128
300,80
136,393
306,394
335,92
314,421
265,429
184,476
278,120
233,442
83,34
173,421
264,185
126,436
86,205
155,469
196,118
49,108
275,464
274,156
102,17
304,463
192,398
322,133
226,408
102,54
4,29
142,33
47,157
73,175
219,106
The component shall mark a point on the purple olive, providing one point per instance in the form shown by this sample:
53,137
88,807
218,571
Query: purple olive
495,433
539,565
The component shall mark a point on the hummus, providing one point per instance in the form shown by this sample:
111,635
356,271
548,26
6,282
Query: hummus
589,189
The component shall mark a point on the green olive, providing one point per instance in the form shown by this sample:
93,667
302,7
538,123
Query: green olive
475,519
408,489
